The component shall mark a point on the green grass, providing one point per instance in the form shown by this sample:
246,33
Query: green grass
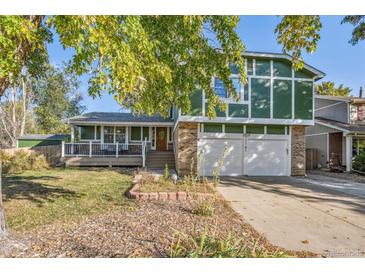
36,198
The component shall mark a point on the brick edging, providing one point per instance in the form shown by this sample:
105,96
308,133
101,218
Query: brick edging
134,193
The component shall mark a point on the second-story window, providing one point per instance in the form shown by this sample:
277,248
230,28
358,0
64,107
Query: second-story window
221,90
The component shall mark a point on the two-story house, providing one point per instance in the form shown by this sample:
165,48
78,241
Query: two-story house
261,134
339,130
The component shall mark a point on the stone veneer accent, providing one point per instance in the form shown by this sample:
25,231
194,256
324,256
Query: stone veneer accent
298,150
186,147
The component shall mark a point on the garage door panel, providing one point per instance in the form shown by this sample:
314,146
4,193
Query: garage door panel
212,150
266,157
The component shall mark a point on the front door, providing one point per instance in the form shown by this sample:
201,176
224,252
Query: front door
161,138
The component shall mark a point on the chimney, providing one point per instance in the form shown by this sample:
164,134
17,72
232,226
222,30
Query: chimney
360,92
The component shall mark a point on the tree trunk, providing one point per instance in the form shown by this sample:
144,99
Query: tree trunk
24,112
13,116
3,227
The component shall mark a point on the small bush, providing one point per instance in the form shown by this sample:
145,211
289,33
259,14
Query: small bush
359,161
208,245
23,160
203,206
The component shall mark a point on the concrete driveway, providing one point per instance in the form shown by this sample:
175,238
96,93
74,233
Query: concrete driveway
300,213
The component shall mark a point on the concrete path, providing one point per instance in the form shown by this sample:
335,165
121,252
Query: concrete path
298,215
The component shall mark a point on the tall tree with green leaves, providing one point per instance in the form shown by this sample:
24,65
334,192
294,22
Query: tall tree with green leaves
56,97
329,88
358,33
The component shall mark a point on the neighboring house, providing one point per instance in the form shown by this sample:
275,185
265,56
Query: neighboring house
261,134
339,130
37,140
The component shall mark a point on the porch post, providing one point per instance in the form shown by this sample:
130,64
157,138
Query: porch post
90,148
116,149
63,149
348,152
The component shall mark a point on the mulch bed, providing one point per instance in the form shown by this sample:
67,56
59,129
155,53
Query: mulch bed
144,231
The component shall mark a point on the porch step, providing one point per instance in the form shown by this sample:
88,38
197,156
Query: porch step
158,159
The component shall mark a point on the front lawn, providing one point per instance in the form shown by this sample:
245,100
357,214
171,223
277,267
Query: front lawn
36,198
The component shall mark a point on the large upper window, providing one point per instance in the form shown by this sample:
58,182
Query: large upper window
221,90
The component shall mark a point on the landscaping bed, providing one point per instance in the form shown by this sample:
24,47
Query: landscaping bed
86,213
151,229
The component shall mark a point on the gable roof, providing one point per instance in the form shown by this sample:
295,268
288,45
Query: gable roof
117,118
319,74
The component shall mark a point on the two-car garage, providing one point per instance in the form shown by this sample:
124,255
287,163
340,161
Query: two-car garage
243,154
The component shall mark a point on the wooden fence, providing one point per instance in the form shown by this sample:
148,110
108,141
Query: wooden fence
51,152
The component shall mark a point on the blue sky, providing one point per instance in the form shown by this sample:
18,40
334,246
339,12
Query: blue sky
342,62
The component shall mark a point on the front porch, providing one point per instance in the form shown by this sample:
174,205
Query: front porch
119,145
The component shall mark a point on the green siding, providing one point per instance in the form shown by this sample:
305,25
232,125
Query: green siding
135,133
237,110
275,129
233,128
282,99
304,74
249,67
196,104
260,98
37,143
87,132
212,127
282,69
98,130
263,67
303,100
217,110
255,129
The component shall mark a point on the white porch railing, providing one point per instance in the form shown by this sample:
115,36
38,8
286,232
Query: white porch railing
105,150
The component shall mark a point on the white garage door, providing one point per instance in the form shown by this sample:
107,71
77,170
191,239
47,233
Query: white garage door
265,157
211,151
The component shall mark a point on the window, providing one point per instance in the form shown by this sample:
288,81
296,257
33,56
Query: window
98,132
136,133
221,91
153,137
87,132
249,67
213,128
275,129
120,134
219,88
233,128
255,129
146,133
170,134
108,135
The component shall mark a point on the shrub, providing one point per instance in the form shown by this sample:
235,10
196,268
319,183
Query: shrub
203,206
208,245
23,160
359,161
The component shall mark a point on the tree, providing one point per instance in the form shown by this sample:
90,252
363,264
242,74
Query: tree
23,44
56,97
328,88
297,33
15,115
358,33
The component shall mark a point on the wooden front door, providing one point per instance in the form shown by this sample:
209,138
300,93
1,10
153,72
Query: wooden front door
335,147
161,138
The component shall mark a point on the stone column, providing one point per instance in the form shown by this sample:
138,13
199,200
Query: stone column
186,147
297,150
